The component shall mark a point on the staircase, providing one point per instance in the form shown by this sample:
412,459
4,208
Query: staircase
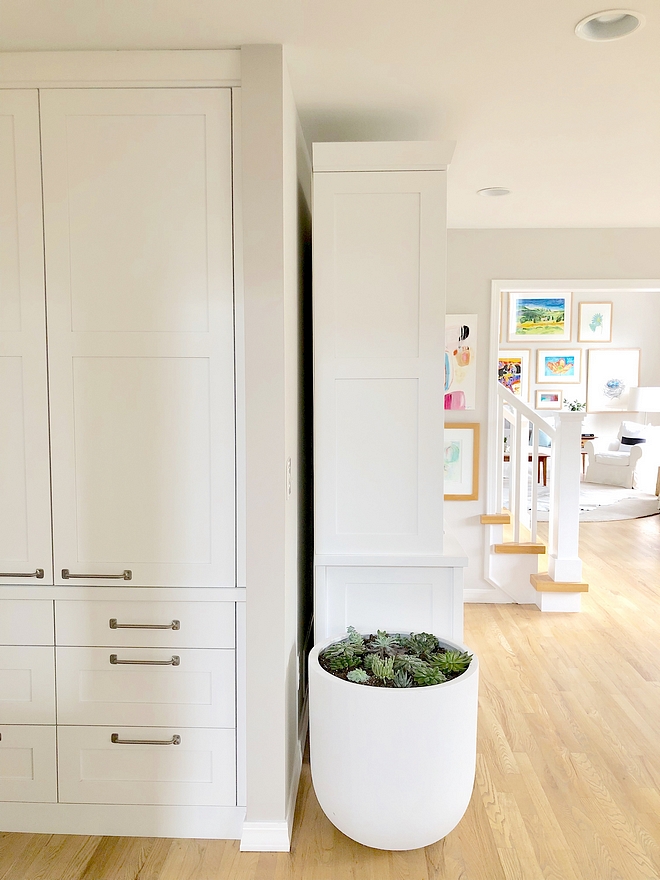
515,557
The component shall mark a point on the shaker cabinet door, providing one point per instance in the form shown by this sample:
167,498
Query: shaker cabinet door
25,540
139,277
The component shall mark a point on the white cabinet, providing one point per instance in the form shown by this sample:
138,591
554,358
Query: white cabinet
25,540
379,327
126,408
138,229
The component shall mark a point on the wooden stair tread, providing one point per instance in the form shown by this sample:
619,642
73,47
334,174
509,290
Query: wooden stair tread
496,519
545,584
520,547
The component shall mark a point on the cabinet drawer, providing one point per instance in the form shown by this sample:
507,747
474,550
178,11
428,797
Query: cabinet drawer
200,770
26,622
27,685
28,770
187,624
196,692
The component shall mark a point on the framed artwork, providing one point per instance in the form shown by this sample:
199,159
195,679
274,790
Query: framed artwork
539,315
549,398
594,322
461,462
513,371
558,365
612,373
460,361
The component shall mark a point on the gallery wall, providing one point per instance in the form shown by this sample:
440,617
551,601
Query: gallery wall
477,257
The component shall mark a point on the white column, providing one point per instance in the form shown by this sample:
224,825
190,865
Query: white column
564,563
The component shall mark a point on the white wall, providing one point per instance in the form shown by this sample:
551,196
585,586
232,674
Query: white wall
273,220
476,257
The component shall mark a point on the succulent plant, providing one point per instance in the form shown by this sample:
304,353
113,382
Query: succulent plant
384,644
452,661
401,679
426,675
382,669
358,676
393,659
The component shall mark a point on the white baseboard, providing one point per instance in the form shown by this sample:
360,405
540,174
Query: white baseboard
491,595
130,820
276,836
265,837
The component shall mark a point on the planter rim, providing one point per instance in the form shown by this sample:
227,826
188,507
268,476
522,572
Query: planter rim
469,672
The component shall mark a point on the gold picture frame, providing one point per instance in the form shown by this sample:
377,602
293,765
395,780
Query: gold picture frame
461,461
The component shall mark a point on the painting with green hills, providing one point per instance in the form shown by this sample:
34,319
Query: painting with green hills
539,316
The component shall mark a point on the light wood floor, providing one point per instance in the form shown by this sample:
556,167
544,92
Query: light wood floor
568,768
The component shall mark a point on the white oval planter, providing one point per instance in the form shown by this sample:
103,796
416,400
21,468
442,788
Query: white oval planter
393,768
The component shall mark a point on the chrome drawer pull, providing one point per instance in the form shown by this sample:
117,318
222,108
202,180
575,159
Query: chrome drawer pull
175,741
39,573
126,576
175,661
113,624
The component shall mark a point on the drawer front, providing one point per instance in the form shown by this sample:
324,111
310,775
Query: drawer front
28,768
132,624
200,770
196,692
27,685
26,622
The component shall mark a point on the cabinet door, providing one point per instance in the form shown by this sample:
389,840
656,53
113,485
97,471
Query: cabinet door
25,541
379,294
138,227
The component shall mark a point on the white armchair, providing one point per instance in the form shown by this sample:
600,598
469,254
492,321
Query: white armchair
630,461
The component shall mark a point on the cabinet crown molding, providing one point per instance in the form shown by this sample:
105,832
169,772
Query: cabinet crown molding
383,156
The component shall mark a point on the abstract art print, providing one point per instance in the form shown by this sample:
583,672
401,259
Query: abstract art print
595,322
460,361
612,373
539,314
558,365
549,399
513,371
461,462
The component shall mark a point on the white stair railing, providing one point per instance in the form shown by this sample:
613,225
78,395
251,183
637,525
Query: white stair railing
521,425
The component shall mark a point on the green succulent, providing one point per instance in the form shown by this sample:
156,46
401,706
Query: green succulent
401,679
340,656
384,644
355,639
426,675
358,676
382,668
452,661
407,663
423,644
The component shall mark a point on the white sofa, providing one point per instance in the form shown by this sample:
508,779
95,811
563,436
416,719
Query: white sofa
632,464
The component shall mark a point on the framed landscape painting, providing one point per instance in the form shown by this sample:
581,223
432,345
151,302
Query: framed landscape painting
513,371
550,398
461,462
558,365
594,322
612,373
539,314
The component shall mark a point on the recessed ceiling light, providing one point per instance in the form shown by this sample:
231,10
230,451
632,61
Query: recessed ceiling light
613,24
494,191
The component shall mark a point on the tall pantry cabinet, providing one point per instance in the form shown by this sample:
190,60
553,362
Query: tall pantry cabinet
118,604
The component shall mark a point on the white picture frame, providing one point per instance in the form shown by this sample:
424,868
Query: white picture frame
555,365
611,374
549,398
513,371
595,322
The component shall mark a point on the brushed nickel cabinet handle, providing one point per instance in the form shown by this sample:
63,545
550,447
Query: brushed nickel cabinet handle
175,661
175,741
126,576
113,624
39,573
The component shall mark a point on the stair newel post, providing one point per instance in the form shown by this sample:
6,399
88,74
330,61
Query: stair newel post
564,563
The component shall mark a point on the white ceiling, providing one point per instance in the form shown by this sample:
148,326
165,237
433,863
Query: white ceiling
571,127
